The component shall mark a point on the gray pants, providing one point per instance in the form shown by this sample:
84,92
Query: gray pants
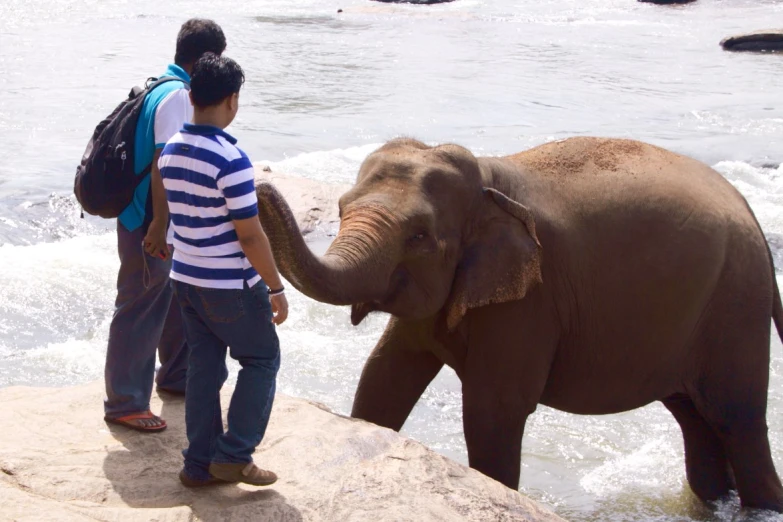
146,318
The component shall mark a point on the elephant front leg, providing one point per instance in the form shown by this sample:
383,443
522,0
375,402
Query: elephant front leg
506,370
395,375
493,433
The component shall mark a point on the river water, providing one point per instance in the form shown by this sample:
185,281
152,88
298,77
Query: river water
324,89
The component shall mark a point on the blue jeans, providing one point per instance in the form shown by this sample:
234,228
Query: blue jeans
215,319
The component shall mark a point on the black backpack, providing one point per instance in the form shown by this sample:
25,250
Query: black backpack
105,179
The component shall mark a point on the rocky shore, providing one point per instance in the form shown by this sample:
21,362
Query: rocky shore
60,462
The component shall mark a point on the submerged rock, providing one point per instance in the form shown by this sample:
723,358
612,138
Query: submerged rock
667,2
423,2
768,40
59,461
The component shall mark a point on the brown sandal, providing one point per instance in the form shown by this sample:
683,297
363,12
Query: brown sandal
129,421
241,472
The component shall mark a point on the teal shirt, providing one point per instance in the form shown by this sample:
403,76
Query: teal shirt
133,216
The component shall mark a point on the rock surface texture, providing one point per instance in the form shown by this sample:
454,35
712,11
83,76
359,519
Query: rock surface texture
768,40
60,462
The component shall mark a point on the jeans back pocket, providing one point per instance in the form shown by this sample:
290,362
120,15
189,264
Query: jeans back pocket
221,305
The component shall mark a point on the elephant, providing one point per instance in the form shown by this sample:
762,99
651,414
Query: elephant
592,275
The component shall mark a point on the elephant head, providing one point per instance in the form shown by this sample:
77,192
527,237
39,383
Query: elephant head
419,235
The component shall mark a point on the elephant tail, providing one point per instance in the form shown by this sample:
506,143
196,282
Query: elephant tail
777,305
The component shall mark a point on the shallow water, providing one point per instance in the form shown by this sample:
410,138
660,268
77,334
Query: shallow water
323,91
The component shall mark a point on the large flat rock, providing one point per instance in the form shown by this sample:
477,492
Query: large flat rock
313,203
60,462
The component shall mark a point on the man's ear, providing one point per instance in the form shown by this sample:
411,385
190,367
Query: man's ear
190,96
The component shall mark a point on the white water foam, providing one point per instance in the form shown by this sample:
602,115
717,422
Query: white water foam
762,187
333,166
55,299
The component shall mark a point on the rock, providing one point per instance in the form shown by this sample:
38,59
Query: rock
60,462
769,40
667,2
314,203
418,2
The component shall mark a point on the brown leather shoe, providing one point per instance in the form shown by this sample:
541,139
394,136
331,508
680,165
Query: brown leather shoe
241,472
189,482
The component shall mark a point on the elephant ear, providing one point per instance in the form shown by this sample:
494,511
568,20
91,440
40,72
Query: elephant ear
501,258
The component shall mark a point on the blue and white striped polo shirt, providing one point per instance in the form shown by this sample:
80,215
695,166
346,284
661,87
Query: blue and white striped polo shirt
209,182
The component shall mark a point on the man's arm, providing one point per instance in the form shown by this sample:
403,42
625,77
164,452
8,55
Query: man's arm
170,116
255,245
155,240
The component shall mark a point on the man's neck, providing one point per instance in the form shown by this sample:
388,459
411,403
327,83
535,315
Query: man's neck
202,118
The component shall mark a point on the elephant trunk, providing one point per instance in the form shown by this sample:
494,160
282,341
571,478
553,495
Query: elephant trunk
355,269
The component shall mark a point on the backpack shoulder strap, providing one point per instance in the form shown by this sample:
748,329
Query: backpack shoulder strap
155,82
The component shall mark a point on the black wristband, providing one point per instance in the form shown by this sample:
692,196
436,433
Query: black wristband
277,291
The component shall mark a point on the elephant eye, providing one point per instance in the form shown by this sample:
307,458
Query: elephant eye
419,244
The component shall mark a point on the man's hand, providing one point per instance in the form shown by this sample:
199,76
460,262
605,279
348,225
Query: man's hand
155,240
256,247
279,308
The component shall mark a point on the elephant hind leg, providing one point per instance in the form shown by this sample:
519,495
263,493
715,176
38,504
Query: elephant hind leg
707,467
731,395
742,428
747,449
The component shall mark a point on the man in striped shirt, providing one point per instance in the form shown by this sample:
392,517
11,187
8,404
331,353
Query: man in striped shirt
221,268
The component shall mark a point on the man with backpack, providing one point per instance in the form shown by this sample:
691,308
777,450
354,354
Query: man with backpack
145,316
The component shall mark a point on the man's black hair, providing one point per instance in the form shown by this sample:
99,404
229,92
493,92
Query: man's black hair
196,37
214,78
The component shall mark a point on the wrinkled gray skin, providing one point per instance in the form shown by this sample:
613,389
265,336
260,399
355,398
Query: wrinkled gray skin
591,275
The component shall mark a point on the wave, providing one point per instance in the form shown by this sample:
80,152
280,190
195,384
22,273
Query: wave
332,166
